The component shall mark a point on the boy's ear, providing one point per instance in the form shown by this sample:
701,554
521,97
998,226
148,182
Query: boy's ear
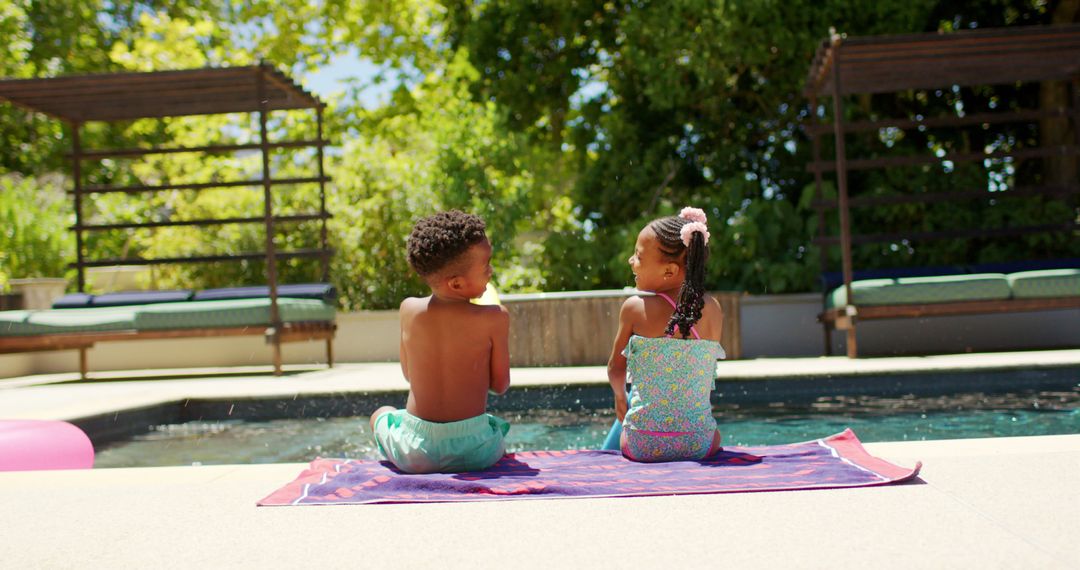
455,283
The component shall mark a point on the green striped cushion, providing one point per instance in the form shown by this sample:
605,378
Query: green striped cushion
917,290
163,316
1045,283
24,323
232,313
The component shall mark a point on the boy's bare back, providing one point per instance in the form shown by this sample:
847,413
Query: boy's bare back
452,353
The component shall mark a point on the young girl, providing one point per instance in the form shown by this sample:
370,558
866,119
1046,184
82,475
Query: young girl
667,345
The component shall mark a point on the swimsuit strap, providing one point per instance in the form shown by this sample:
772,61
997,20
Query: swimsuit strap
674,306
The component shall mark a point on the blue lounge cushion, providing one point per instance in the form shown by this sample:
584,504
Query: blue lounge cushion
73,301
140,298
1025,266
322,291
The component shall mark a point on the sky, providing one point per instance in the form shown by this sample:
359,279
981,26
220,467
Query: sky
332,79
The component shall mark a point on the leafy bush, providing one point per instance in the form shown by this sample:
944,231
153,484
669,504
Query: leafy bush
34,219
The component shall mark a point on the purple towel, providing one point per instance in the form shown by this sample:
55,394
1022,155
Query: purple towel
832,462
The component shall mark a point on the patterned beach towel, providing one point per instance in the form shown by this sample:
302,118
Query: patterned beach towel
828,463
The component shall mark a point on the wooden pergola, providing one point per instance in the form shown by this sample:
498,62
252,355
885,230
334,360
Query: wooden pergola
889,64
110,97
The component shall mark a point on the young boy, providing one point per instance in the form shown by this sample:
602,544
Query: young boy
452,353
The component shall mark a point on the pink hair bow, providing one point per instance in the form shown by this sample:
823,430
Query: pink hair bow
694,215
687,232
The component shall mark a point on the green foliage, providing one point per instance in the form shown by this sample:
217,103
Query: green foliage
669,104
34,240
566,125
664,104
435,149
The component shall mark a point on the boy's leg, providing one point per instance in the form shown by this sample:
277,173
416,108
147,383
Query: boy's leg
375,415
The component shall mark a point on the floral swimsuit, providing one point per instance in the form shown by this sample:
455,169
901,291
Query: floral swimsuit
670,415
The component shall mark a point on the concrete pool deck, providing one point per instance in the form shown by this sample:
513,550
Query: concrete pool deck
999,502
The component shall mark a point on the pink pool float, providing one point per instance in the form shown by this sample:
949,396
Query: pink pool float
27,445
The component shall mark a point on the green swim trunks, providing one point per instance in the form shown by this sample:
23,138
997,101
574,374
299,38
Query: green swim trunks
419,446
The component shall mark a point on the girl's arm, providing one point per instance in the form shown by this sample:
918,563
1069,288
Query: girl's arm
616,368
500,351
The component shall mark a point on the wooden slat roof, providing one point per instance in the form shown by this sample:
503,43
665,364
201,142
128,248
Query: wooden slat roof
884,64
119,96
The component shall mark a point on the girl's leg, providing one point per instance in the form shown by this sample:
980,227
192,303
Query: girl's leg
375,415
715,446
613,436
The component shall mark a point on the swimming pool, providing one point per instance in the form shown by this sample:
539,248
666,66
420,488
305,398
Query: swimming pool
582,424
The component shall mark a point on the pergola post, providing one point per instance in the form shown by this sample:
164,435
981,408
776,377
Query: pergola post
268,216
325,260
842,190
815,150
76,176
1076,114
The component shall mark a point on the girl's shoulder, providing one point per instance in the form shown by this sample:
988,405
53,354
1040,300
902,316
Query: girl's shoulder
645,314
633,306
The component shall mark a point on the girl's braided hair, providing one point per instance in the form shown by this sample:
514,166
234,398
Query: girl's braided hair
691,299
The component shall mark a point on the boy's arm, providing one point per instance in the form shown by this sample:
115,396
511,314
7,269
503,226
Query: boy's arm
500,351
616,368
402,355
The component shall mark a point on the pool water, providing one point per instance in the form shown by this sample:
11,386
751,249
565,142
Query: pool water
958,416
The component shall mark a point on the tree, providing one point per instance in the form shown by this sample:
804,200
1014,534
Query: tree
29,246
566,124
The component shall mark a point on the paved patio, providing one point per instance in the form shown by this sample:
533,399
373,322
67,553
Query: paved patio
999,503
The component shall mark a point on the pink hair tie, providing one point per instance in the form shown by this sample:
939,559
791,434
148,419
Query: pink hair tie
694,215
687,232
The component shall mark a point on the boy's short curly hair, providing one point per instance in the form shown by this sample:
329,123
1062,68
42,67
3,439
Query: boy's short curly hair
438,240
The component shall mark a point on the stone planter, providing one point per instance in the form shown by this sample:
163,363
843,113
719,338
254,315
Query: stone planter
38,293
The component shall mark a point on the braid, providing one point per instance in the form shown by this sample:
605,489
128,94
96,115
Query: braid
691,299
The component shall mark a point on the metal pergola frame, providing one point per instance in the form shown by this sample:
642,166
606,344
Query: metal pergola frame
889,64
111,97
